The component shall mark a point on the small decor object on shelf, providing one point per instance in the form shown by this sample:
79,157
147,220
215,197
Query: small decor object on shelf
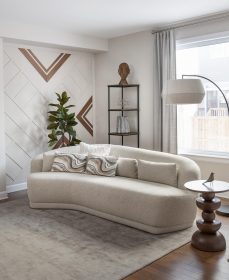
61,123
123,124
123,71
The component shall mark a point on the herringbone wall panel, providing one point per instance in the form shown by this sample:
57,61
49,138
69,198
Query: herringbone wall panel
27,94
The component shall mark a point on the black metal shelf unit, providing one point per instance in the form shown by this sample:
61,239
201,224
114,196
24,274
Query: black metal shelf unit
122,110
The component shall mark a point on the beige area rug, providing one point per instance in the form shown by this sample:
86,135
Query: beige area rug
71,245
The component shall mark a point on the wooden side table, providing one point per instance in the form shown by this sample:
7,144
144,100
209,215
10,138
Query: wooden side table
208,238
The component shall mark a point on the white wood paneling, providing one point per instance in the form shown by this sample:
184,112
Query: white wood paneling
2,126
10,71
18,82
27,96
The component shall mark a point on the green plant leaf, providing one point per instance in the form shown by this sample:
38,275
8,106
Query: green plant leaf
72,123
74,141
70,106
59,132
52,143
52,126
64,94
52,119
55,105
54,113
71,132
70,116
52,137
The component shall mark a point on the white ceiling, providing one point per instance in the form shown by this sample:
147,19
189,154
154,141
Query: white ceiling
106,18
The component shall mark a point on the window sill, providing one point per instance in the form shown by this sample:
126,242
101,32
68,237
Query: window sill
204,156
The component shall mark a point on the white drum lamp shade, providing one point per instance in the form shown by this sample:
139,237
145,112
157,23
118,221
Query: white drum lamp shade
184,91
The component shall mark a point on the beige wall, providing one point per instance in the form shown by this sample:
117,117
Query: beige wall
136,50
2,135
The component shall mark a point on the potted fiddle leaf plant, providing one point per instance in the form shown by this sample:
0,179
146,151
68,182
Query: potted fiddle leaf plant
62,123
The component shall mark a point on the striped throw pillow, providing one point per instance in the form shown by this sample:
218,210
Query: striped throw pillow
75,163
101,165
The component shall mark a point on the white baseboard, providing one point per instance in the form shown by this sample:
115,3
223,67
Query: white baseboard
16,188
3,195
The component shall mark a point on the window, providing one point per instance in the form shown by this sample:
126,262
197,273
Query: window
204,128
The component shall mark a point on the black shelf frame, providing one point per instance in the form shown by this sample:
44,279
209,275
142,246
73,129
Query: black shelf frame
122,110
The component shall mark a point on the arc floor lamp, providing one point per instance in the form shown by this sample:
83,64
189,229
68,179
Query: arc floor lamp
191,91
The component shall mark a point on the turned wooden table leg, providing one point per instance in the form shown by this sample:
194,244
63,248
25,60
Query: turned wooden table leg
208,238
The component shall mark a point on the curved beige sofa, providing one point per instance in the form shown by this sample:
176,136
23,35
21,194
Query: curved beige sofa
152,207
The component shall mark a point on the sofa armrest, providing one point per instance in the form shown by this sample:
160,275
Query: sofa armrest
37,164
189,171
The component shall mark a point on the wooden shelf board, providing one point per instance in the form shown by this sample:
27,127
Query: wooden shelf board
123,134
124,86
117,110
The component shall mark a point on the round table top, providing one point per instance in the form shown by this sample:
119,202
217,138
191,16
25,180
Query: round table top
214,186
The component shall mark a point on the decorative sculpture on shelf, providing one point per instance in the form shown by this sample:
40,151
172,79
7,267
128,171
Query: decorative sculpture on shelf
123,71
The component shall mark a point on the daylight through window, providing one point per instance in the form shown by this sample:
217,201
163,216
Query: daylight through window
204,128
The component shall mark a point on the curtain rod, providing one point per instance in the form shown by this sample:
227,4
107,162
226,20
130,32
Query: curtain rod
194,22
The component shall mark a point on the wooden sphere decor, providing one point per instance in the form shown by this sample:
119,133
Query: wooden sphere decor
123,71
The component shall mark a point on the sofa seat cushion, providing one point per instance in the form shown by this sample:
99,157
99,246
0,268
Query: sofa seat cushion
144,202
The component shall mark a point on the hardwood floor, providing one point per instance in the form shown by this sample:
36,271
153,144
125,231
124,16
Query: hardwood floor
187,263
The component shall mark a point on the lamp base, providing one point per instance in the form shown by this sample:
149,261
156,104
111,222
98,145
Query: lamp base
223,210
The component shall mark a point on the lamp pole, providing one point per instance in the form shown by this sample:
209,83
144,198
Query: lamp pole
223,210
205,78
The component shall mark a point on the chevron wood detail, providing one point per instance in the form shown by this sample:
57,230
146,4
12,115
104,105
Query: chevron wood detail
46,73
27,97
82,116
63,142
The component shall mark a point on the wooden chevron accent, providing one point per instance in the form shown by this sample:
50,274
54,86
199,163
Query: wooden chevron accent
46,73
63,142
82,116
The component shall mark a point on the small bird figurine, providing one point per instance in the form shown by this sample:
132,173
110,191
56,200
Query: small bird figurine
210,179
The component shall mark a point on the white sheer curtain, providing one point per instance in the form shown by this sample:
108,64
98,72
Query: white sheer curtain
165,116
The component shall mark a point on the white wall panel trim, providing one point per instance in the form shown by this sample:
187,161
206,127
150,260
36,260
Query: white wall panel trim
16,188
3,195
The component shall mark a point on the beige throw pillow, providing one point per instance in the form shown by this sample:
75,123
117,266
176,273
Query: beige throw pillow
127,167
75,163
48,158
159,172
102,166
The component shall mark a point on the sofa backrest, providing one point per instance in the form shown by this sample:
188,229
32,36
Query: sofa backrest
187,169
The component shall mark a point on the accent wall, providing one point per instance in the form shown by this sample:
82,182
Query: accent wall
32,75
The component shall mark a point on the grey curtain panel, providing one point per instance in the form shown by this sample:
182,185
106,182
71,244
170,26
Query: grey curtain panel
164,115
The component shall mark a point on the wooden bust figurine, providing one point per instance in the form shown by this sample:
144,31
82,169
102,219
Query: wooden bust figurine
123,71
